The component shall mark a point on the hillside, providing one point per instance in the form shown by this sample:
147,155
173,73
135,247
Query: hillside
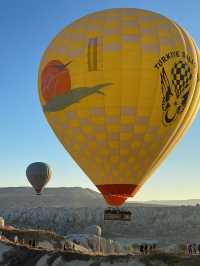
72,197
71,210
11,255
69,197
191,202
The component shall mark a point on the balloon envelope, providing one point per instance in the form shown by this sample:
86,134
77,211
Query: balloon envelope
127,97
38,175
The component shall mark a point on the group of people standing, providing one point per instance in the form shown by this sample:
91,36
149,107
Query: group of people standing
193,248
147,249
30,242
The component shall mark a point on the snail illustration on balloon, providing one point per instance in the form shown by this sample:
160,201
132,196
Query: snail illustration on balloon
56,87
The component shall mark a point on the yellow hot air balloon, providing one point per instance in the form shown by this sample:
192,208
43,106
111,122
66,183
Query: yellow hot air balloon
119,88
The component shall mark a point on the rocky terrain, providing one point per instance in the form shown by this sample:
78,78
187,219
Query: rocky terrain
70,210
14,255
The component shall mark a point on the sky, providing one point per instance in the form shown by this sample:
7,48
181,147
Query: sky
26,29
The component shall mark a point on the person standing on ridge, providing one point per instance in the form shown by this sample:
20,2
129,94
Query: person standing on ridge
198,248
141,249
145,249
194,248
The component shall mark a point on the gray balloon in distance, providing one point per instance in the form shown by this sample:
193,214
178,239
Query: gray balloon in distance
38,175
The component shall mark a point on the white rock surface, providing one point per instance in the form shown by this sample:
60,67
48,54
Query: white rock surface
3,248
96,243
93,230
43,260
2,222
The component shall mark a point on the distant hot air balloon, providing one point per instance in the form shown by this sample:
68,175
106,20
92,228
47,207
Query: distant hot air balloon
129,94
38,175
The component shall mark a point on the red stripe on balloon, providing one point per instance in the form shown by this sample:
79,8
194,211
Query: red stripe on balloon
117,194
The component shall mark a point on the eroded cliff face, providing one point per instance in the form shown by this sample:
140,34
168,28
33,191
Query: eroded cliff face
70,210
163,224
15,255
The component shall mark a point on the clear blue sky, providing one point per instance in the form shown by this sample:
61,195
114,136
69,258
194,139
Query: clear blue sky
26,28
